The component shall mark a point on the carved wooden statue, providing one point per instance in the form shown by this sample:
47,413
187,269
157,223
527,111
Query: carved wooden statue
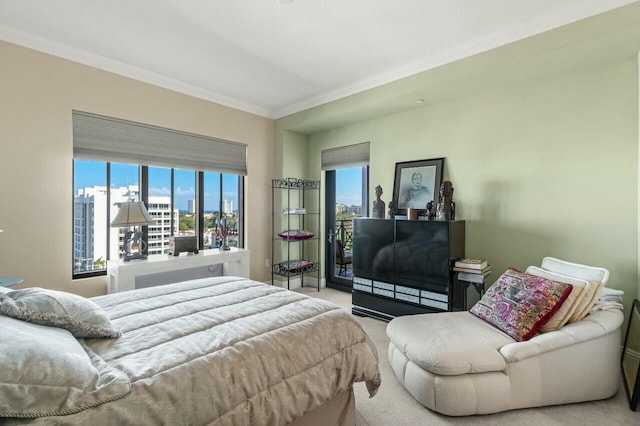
392,210
446,209
378,205
431,213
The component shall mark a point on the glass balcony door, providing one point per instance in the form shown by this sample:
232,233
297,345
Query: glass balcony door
346,198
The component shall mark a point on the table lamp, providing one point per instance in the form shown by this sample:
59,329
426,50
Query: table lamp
132,214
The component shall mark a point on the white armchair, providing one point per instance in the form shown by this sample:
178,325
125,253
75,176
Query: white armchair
457,364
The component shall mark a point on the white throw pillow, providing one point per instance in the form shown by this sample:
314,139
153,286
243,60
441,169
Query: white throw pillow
573,306
82,317
589,300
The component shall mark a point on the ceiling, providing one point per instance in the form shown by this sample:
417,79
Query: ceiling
279,57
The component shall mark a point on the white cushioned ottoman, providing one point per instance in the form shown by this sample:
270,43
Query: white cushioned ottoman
433,354
449,345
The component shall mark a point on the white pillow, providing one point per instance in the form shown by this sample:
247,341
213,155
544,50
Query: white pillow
595,275
571,307
576,270
47,372
82,317
589,300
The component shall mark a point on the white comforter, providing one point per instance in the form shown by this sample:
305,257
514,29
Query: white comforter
226,351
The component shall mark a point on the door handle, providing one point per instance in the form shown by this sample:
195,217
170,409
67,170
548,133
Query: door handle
330,236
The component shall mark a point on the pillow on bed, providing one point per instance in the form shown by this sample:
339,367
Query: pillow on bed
519,304
46,371
82,317
574,300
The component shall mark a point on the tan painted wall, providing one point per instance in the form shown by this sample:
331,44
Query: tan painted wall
540,168
37,94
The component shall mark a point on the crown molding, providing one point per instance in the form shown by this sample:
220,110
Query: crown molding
54,48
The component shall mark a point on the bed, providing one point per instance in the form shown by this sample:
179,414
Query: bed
220,351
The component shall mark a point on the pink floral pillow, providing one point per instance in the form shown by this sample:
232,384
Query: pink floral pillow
520,304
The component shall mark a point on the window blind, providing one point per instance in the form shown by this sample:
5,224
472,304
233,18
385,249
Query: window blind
346,156
101,138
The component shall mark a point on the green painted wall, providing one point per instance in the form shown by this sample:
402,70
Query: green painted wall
291,155
540,168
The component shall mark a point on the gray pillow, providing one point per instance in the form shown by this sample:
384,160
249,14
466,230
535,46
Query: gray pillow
82,317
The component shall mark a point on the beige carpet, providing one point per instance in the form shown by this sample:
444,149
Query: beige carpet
393,406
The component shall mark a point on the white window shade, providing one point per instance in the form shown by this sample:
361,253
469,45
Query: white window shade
346,156
101,138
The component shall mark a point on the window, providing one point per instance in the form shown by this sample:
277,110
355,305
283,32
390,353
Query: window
346,198
172,201
160,208
89,243
212,211
230,192
184,190
347,183
117,160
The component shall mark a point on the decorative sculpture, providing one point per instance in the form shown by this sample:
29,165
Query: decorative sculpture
223,233
392,210
446,209
430,211
378,205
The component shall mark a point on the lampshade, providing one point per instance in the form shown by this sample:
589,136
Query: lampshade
132,213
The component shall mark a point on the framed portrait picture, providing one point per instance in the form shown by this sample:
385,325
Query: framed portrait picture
416,183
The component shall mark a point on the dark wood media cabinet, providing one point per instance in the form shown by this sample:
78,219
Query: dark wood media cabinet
403,267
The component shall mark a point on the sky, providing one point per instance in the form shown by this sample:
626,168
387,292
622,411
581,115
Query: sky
90,173
349,186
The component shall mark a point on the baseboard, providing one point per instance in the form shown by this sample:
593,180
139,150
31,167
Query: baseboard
632,354
313,282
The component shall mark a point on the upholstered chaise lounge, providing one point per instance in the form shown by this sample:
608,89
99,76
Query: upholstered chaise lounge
458,364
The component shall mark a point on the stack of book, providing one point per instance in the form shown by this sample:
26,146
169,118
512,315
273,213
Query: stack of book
472,270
